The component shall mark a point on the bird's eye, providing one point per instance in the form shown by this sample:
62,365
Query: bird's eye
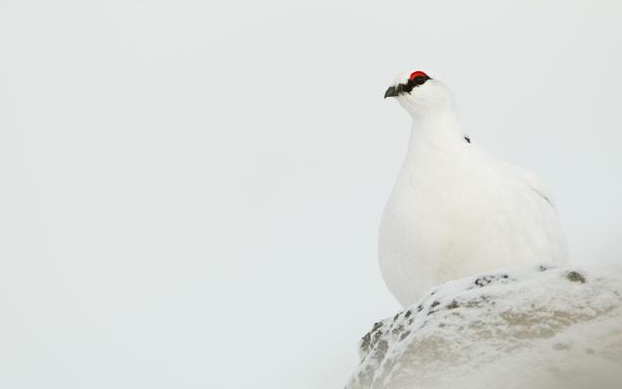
418,73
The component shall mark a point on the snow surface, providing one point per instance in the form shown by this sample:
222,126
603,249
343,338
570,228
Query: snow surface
537,328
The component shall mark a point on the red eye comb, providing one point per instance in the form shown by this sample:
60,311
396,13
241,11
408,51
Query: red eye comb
416,74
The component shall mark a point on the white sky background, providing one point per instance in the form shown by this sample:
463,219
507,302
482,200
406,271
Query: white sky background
190,192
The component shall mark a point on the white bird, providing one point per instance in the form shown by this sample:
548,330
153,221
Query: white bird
456,210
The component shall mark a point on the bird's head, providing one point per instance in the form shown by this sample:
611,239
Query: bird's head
420,94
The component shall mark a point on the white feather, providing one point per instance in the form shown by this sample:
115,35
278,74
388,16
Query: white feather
456,210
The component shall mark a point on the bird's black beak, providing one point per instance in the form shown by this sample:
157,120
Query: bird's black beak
391,92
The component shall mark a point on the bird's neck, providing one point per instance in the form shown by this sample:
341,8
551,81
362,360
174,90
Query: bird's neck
440,131
436,145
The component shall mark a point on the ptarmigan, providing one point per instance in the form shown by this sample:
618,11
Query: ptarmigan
457,210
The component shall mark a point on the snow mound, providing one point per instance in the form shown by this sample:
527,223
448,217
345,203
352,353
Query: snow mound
537,328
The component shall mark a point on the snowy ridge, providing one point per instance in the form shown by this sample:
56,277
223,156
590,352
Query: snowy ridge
530,328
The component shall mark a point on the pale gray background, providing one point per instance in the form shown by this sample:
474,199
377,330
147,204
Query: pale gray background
190,191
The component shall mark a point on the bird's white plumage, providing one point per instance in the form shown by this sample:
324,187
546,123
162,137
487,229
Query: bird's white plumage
456,210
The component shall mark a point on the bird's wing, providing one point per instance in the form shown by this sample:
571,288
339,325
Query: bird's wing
534,183
528,177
